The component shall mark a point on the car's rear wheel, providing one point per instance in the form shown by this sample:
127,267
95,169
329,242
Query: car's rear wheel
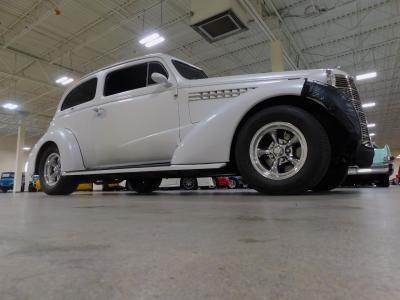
335,176
189,183
51,179
4,190
282,150
143,186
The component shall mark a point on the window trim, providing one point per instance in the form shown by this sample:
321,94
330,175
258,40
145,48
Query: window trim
136,63
76,86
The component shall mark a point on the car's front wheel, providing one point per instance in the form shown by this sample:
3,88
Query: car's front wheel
143,186
282,150
51,179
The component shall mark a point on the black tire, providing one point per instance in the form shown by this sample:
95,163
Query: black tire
233,184
333,178
65,185
143,186
189,183
384,181
316,162
4,190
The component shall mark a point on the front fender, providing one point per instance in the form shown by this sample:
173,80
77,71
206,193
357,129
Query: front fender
70,152
210,140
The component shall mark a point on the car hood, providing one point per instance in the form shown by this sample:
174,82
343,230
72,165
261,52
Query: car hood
314,75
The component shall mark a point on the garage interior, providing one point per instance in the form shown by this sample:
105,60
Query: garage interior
207,243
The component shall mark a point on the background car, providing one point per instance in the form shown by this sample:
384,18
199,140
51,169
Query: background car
236,182
379,172
187,183
7,182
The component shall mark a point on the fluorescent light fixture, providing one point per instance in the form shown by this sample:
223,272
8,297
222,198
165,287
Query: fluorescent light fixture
398,156
149,38
152,40
26,148
372,134
369,104
61,79
364,170
64,80
366,76
372,125
10,106
155,42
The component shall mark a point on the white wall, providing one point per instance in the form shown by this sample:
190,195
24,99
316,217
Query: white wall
8,146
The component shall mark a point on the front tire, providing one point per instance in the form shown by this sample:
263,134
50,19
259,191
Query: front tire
143,186
52,182
335,176
282,150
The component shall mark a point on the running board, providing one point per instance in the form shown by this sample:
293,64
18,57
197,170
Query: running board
148,169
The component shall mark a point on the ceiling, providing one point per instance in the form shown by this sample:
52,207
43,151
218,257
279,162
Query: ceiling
41,40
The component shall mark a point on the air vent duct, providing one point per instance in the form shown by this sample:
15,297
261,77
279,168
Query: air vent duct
216,20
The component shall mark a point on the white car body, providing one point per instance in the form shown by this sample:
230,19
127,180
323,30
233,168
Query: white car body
176,126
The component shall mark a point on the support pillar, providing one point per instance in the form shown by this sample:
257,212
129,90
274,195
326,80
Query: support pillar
276,56
19,160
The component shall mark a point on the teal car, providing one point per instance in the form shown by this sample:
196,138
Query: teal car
378,173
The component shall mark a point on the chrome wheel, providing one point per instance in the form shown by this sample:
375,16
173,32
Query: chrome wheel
278,150
52,169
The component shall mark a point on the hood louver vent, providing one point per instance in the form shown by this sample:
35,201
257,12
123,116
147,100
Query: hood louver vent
219,26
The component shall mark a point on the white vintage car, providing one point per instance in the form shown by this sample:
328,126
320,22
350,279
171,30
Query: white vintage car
157,116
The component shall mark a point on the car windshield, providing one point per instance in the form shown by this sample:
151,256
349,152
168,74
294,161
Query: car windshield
7,175
188,71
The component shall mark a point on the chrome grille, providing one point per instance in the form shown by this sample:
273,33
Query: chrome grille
347,86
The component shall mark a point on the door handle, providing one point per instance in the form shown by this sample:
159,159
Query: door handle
99,111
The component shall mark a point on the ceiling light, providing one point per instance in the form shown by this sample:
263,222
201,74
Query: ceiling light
64,80
398,156
369,104
372,134
366,76
372,125
26,148
10,106
152,40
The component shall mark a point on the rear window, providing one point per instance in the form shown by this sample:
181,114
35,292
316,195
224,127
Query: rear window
188,71
84,92
126,79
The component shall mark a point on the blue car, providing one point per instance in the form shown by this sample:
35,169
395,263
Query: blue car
7,182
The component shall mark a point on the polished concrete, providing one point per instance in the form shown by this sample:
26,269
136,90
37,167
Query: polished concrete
201,245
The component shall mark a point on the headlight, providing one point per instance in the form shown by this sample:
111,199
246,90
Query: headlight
330,77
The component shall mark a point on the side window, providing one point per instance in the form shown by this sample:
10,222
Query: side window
125,79
81,94
155,67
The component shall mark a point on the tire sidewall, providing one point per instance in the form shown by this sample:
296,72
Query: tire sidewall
317,160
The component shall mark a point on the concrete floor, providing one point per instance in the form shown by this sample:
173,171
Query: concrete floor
202,245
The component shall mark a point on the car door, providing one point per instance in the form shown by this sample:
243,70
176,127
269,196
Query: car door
76,113
137,120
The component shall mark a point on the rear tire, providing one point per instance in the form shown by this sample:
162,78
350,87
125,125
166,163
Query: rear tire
282,150
335,176
52,182
4,190
189,183
143,186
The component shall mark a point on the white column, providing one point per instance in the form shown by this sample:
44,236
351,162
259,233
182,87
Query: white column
276,56
19,160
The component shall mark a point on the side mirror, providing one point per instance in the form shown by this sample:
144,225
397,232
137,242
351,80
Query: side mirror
161,79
